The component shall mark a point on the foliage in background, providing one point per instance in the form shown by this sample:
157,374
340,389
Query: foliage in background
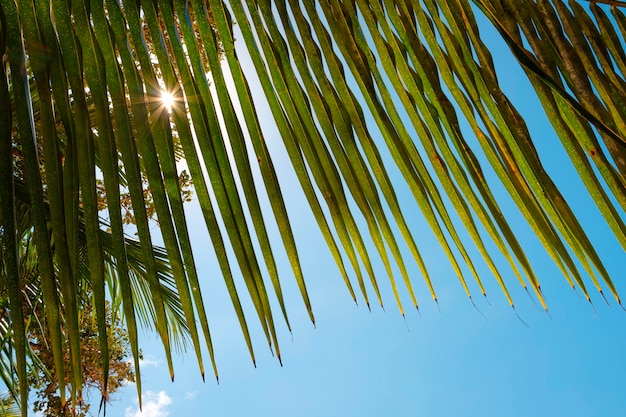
126,203
346,82
46,385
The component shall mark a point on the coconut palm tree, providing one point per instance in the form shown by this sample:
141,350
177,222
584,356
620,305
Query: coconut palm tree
345,82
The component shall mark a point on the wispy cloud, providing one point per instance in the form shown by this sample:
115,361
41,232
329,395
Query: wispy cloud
147,360
154,405
190,395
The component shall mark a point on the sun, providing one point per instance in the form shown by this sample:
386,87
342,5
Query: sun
168,100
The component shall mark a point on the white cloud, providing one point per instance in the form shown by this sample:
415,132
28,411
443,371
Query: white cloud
190,395
154,405
146,360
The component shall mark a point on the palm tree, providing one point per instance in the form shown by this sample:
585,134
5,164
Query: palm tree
344,81
31,294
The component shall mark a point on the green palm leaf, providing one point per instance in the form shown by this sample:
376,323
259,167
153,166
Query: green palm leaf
345,82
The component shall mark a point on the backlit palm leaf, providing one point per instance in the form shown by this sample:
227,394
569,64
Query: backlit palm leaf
346,82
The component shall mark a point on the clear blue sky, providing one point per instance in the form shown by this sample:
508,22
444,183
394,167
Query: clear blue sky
447,362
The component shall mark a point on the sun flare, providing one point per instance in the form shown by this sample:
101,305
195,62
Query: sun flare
167,99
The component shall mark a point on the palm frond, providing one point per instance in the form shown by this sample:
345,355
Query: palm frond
346,82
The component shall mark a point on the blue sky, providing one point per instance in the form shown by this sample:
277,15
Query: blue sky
446,360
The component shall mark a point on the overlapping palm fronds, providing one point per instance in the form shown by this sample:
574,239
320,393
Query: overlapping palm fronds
8,407
31,290
346,82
